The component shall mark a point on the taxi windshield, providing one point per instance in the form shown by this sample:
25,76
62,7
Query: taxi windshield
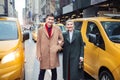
8,30
112,29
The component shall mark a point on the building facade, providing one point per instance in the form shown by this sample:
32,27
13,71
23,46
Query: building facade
7,8
28,12
46,6
36,10
86,8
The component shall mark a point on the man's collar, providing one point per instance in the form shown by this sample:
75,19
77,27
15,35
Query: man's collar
47,25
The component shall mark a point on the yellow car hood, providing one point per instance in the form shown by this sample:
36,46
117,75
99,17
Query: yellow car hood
7,45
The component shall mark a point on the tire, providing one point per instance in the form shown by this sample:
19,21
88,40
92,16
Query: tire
23,75
105,75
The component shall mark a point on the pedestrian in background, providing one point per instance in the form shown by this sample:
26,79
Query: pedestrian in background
49,42
73,53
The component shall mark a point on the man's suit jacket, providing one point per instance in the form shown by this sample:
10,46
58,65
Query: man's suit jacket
47,47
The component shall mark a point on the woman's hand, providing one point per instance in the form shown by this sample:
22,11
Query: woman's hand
81,59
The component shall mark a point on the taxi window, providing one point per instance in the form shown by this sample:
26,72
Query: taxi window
92,28
8,30
62,28
78,25
112,29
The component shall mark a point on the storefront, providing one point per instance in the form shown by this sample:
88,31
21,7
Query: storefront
89,8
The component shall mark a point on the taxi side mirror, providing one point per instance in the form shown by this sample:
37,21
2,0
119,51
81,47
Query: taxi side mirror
25,36
93,38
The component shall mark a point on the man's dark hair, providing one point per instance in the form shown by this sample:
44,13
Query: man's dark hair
49,15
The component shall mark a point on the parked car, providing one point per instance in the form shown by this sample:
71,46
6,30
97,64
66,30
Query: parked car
101,36
61,26
34,32
11,49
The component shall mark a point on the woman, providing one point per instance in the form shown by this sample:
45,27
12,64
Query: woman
73,51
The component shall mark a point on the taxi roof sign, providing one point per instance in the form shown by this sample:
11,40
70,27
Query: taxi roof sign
116,16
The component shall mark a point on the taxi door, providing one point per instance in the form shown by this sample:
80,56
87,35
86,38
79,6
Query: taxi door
91,56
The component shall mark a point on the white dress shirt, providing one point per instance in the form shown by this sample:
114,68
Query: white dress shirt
70,35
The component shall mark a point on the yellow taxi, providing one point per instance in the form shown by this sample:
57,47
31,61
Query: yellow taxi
61,26
34,32
101,36
11,49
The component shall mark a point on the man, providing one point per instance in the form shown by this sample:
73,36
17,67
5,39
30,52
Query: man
49,42
73,51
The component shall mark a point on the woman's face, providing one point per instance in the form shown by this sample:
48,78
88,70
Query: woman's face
70,26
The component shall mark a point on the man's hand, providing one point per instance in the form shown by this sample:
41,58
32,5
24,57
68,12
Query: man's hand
38,58
59,42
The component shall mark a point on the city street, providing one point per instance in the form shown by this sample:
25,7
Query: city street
32,65
91,32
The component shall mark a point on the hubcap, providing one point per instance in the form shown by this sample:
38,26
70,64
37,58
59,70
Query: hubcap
105,77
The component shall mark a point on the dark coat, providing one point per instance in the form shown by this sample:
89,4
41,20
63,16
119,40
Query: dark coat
71,54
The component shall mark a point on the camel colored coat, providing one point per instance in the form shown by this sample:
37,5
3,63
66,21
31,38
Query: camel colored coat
47,48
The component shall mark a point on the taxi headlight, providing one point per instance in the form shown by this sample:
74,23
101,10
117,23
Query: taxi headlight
10,57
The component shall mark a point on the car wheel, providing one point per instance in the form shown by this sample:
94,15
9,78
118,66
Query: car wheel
105,75
23,75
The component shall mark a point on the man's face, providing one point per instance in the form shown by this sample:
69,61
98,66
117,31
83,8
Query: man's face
50,20
70,26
